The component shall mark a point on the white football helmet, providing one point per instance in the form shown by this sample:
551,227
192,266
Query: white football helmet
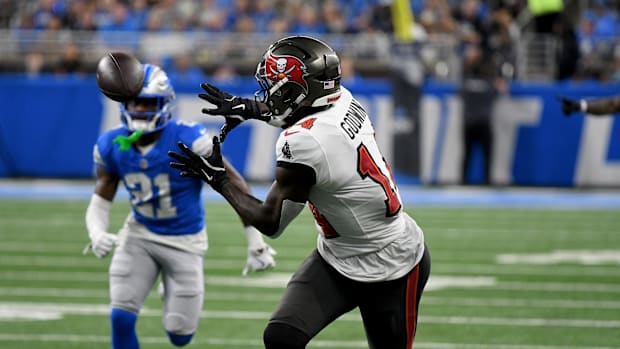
158,93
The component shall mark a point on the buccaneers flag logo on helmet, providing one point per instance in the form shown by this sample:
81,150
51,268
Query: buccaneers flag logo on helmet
280,67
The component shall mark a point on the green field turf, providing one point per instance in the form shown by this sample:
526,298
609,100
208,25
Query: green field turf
501,279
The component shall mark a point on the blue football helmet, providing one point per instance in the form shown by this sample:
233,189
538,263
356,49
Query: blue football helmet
158,95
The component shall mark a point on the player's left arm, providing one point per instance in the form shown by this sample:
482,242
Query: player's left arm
260,256
285,199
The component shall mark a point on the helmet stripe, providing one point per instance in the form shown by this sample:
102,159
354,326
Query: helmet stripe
147,74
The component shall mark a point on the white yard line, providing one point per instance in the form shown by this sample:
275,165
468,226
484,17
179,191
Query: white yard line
231,263
17,310
206,340
485,301
278,280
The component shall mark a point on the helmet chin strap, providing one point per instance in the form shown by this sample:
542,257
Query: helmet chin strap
273,121
280,120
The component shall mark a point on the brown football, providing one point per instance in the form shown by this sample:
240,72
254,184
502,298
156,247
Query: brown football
120,76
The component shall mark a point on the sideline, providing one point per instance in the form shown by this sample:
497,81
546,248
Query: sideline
411,195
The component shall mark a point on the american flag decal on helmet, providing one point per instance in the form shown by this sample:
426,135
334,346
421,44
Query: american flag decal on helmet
328,84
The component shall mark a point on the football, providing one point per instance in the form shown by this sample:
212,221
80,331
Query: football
120,76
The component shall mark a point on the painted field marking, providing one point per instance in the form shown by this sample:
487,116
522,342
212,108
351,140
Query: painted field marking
205,340
586,257
486,301
11,311
278,280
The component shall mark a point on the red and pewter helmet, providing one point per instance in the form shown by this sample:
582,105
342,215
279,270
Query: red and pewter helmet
295,72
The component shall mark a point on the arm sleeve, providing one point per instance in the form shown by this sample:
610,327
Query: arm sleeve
290,210
97,216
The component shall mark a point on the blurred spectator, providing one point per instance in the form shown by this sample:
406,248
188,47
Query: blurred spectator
34,63
381,18
9,8
81,16
244,24
171,15
308,21
598,29
349,75
358,14
212,17
120,19
546,13
567,53
499,37
224,73
334,18
70,61
604,19
470,17
479,89
46,11
263,14
279,25
118,29
436,17
184,70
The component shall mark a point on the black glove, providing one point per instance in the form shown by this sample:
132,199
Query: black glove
235,109
210,169
569,106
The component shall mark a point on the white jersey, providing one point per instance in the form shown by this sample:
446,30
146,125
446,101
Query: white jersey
363,231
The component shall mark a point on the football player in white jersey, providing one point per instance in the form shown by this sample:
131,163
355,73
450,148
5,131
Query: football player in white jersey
165,232
370,254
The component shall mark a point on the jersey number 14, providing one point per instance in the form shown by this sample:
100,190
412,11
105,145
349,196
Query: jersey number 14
368,167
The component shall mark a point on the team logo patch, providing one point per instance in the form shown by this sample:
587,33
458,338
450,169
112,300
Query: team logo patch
280,67
286,151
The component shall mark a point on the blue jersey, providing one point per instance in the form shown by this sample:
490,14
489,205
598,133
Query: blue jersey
161,199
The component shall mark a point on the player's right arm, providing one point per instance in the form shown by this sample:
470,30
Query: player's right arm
602,106
98,213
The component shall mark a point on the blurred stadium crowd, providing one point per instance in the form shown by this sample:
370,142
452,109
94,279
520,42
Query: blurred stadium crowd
578,41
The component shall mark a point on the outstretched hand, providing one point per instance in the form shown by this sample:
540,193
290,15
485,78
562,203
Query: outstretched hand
234,109
209,169
569,106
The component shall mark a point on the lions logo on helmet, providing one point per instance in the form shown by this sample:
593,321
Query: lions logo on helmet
297,72
157,96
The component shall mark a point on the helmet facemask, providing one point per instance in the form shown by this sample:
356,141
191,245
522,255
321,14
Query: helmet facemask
155,102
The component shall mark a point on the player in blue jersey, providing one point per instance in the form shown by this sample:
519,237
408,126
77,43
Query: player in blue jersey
165,233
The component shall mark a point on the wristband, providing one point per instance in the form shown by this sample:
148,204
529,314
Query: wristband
583,106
